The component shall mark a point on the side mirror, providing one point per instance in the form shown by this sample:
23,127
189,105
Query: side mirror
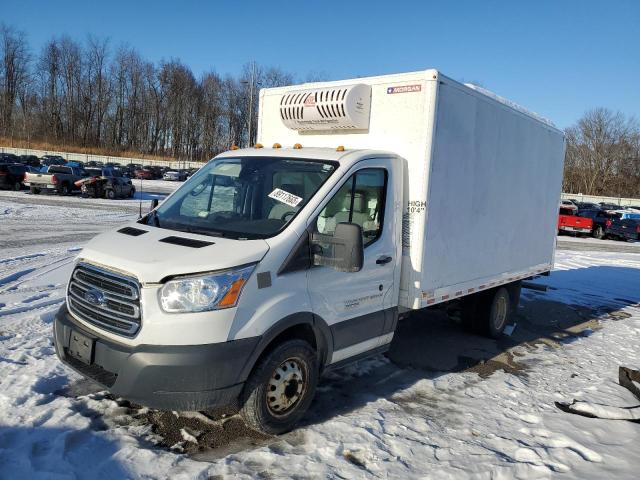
154,204
344,251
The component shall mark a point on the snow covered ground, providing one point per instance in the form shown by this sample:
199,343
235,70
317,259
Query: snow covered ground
443,404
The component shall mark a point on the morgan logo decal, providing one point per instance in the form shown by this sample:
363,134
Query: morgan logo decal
404,89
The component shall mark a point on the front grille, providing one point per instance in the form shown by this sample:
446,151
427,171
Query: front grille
105,299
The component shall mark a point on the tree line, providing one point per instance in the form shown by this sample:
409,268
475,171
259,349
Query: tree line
603,155
90,94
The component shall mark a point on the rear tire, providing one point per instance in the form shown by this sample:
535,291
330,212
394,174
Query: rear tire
598,232
64,189
34,190
17,186
280,388
132,192
488,313
110,194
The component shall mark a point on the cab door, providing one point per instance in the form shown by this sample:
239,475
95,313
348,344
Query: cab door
360,307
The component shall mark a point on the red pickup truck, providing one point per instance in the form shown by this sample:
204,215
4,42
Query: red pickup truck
569,222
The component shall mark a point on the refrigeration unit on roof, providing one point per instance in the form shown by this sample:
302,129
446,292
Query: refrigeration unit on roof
335,108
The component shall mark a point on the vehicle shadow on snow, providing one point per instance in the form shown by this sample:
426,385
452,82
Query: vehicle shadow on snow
43,452
426,345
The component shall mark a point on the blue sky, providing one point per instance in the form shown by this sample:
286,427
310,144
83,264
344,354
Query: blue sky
558,58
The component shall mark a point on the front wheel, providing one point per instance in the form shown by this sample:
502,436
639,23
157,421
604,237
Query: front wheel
110,194
280,389
17,186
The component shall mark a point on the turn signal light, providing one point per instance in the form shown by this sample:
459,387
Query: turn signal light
231,297
297,146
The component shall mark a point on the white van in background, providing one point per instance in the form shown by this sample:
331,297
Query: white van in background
364,200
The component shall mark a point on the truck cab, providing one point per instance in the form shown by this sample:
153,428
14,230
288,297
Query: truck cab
273,264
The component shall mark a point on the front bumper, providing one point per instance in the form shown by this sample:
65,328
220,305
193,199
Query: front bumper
166,377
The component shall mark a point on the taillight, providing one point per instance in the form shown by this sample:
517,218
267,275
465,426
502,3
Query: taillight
3,174
638,229
54,179
608,223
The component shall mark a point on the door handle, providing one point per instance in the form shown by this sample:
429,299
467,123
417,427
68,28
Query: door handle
383,260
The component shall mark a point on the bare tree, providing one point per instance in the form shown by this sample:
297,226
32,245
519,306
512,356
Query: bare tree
602,151
14,73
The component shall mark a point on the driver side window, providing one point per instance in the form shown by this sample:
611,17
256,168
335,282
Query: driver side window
361,201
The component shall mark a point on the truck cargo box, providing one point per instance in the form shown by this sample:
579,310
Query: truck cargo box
482,175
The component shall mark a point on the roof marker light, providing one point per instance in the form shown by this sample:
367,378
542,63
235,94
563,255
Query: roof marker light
340,148
257,145
234,147
277,145
297,146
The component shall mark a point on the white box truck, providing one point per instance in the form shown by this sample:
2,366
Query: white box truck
371,198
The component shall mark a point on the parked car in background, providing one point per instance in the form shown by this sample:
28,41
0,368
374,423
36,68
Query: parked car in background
175,175
570,222
599,218
9,158
48,160
587,206
12,176
624,214
624,229
58,178
107,184
146,173
567,203
31,160
609,206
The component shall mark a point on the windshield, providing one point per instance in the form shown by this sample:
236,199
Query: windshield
251,197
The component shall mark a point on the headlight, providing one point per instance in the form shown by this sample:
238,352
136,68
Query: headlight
201,293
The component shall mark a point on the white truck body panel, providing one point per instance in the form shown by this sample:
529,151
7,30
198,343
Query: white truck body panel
472,162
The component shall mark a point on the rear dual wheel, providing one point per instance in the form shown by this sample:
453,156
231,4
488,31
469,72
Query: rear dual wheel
281,387
488,313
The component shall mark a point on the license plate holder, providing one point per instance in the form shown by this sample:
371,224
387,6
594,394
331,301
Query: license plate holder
81,347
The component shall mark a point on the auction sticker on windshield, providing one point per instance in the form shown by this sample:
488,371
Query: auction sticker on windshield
285,197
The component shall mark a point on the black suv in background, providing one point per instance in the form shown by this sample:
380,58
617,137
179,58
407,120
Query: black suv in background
601,219
623,229
12,176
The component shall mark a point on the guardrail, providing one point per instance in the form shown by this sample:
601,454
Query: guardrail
88,157
598,198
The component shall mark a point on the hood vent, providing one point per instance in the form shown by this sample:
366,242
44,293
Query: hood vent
186,242
134,232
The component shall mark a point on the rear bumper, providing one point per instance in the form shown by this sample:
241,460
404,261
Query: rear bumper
174,377
575,229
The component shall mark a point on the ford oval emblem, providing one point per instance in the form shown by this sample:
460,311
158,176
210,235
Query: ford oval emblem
95,297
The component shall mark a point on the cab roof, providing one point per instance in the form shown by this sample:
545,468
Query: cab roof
345,157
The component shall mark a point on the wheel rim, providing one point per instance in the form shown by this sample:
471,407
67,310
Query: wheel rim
501,312
286,387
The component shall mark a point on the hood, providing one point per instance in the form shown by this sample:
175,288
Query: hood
153,254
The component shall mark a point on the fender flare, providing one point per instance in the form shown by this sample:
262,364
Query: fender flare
322,332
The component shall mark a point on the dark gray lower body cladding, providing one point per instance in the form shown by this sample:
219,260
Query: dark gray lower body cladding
176,377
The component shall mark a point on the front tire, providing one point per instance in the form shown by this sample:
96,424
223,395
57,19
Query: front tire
110,194
280,388
17,186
